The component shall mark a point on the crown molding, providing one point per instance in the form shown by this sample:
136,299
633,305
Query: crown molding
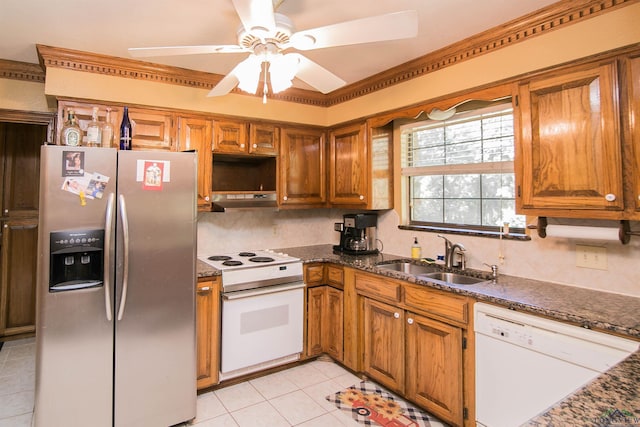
21,71
543,21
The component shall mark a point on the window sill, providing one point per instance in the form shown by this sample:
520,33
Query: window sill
466,232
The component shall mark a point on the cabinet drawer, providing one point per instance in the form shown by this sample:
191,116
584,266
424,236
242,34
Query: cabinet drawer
335,275
314,274
378,287
446,306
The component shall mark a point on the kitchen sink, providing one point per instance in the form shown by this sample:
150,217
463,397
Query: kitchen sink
453,278
407,267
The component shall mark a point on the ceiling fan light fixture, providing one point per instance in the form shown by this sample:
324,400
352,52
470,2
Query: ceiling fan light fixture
282,70
249,74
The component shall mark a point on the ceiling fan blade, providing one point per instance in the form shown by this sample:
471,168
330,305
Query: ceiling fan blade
225,85
256,14
317,76
391,26
141,52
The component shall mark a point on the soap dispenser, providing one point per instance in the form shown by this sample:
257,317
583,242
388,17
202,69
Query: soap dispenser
416,250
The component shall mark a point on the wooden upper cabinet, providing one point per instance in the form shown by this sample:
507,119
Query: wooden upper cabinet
302,168
151,129
83,112
361,166
195,134
264,139
632,129
348,166
569,160
230,137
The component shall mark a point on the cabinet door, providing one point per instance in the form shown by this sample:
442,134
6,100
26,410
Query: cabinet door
633,96
229,137
383,342
208,333
195,134
570,144
18,281
348,166
302,168
434,367
151,129
83,112
20,168
332,329
315,304
264,139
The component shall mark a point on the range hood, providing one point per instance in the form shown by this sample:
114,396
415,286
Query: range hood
223,202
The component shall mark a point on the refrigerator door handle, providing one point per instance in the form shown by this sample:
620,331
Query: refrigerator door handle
108,226
125,274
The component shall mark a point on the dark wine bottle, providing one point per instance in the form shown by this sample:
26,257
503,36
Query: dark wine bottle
125,131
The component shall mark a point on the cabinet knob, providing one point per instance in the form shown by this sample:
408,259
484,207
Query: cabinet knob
410,321
255,145
206,199
610,197
361,197
6,211
241,145
396,315
285,198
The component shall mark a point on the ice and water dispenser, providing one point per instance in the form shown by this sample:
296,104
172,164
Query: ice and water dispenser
77,260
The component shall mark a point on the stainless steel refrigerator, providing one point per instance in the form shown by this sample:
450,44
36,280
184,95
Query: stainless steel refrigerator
115,334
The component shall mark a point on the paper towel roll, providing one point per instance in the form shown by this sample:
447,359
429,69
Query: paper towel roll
583,232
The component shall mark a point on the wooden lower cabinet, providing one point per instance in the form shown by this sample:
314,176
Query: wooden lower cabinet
434,367
208,332
18,259
324,321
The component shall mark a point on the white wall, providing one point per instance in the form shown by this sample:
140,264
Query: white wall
552,260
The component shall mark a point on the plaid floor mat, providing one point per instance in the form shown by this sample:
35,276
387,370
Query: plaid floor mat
371,405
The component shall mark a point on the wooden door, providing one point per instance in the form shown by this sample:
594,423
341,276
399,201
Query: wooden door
434,367
230,137
195,134
18,276
332,330
383,344
302,168
264,139
570,152
348,166
208,333
315,304
633,118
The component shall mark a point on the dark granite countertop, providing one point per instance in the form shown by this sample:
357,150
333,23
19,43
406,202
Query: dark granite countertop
605,401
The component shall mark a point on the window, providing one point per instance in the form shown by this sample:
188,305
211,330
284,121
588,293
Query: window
460,171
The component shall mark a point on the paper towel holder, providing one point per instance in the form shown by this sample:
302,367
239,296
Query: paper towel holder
624,229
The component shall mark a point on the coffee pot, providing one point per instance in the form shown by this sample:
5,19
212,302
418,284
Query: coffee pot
358,234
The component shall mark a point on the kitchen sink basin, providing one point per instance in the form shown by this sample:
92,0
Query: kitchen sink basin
453,278
407,267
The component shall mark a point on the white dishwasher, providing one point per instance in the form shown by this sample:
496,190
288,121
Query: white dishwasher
526,363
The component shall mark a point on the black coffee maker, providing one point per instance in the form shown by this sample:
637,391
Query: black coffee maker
358,234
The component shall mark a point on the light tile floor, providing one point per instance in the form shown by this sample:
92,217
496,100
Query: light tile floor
294,397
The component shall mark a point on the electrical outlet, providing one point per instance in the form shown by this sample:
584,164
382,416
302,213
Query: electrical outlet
591,257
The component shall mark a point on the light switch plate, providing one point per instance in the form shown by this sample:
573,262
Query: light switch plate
591,257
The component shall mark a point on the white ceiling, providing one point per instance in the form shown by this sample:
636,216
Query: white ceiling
111,26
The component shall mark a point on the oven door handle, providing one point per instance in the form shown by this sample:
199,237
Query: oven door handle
262,291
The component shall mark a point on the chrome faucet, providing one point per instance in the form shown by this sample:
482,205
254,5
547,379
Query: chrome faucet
451,250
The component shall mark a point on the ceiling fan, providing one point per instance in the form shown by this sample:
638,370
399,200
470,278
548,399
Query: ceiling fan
270,39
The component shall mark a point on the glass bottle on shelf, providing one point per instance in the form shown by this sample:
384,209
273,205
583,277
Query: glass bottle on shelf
71,134
125,131
93,130
107,131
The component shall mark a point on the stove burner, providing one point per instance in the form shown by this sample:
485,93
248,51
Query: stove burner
261,259
232,263
219,258
247,254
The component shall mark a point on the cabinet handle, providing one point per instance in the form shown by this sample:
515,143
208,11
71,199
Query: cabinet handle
361,197
610,197
396,315
410,321
285,198
204,289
